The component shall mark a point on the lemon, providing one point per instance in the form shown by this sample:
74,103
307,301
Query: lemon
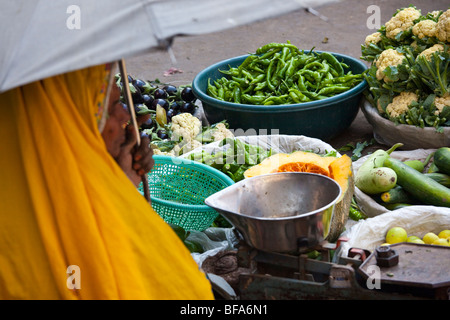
412,238
396,235
417,241
441,242
444,234
430,237
385,244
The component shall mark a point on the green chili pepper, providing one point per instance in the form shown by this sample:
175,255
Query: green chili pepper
260,86
239,174
247,74
300,96
314,75
221,93
247,61
256,68
284,53
333,62
275,100
280,65
276,46
313,64
330,90
356,215
269,75
325,67
252,99
230,72
258,79
212,91
237,95
291,67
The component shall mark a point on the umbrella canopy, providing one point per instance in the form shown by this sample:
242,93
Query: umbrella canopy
43,38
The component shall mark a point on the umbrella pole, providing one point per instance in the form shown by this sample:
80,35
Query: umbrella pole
129,100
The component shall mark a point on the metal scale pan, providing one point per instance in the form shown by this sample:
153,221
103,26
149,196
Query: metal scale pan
280,212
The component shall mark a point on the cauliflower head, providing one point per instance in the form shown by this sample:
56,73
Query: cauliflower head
402,21
443,27
400,104
186,126
425,28
189,146
389,57
427,53
373,38
157,151
441,102
434,13
221,132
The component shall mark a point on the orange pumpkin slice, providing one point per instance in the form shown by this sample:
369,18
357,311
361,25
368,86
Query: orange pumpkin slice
303,167
341,172
268,165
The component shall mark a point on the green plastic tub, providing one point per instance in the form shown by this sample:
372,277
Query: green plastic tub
323,119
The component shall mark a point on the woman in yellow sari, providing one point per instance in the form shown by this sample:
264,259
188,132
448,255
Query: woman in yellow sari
72,224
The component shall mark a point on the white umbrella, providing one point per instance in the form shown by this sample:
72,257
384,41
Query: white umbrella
42,38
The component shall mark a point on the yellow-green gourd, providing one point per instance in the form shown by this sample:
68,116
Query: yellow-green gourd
372,177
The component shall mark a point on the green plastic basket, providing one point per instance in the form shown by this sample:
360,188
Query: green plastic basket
178,189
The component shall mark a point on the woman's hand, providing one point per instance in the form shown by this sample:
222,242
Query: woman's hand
136,160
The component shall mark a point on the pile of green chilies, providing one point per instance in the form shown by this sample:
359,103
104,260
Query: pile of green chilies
235,160
280,73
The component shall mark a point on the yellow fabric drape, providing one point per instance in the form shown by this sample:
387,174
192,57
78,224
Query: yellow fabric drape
65,202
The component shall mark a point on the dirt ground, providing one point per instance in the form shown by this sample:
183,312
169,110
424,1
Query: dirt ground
339,26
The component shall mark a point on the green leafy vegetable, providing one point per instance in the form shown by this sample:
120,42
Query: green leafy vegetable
424,71
235,159
356,149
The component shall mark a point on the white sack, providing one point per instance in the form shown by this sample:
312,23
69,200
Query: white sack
416,220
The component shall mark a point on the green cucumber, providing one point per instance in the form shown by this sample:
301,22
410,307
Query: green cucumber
442,159
397,195
419,165
442,178
415,164
432,168
421,187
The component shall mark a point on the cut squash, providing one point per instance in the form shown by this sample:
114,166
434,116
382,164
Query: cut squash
338,168
268,165
272,163
303,167
310,157
341,172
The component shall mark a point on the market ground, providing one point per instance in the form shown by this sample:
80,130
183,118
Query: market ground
341,26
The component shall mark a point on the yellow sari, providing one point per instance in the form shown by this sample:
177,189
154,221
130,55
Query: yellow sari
72,225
